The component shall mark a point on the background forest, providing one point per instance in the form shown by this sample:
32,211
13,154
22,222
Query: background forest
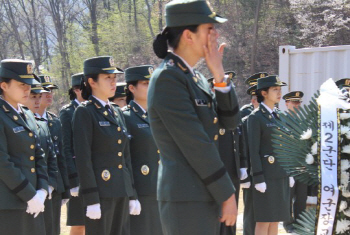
58,35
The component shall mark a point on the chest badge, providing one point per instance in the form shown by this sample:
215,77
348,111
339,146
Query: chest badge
271,159
106,175
222,131
105,113
145,170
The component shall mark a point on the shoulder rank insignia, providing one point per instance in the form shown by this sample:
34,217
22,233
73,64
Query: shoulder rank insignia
184,69
5,109
135,110
195,79
97,106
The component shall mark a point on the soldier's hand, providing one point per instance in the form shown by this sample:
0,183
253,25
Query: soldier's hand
94,211
244,173
35,205
229,211
261,187
50,192
291,182
74,191
245,185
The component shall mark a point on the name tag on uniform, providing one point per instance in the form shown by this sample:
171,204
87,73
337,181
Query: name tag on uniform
18,129
201,102
142,125
270,124
104,123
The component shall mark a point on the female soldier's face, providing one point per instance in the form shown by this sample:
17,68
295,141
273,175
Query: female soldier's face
105,86
200,38
47,99
274,94
140,90
15,92
33,103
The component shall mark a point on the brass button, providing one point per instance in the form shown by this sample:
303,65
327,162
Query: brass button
32,146
50,124
158,151
216,137
215,120
31,158
120,166
119,141
32,170
158,162
119,129
30,134
120,154
15,117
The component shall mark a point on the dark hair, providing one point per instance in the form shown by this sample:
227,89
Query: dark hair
259,96
6,80
129,95
85,87
71,93
170,37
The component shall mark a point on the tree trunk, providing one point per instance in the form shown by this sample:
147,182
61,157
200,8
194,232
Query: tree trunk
160,15
149,18
255,37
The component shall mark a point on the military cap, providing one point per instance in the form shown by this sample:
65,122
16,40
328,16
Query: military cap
293,96
37,88
46,82
252,90
230,74
120,91
252,80
138,73
20,70
190,12
344,82
76,79
100,64
269,81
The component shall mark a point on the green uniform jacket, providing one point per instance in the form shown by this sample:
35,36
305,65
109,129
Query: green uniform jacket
23,168
101,146
143,150
48,147
185,116
246,110
246,148
260,126
66,116
55,128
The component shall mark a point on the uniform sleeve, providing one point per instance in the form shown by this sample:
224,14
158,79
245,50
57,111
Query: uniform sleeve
254,135
82,139
175,108
52,169
68,151
243,153
41,167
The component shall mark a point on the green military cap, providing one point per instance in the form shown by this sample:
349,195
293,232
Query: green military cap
293,96
269,81
252,90
230,74
253,80
138,73
46,82
20,70
120,91
37,88
344,82
100,64
76,79
190,12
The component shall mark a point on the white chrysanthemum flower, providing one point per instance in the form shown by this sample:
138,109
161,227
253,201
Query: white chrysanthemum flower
347,213
343,205
343,225
344,179
345,193
344,116
314,149
309,159
307,134
345,164
344,130
346,149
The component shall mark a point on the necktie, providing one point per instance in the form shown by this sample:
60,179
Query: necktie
109,109
23,117
274,115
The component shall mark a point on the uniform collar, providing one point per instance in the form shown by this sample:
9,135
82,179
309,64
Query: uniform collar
184,61
103,103
77,101
268,108
44,115
144,111
18,110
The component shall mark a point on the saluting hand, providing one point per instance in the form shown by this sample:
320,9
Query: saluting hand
229,211
213,56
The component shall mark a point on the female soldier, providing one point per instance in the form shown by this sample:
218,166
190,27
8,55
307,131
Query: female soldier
193,185
101,147
143,151
23,171
75,209
120,96
271,193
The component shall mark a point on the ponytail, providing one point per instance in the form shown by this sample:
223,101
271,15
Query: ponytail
129,95
85,87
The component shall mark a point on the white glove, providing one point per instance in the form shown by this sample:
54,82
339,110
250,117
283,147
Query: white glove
243,174
291,182
50,192
64,201
245,185
42,193
74,191
35,205
93,211
261,187
134,207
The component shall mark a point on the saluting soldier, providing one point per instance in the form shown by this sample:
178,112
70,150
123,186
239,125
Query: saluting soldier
271,193
23,170
75,208
251,82
101,146
143,150
298,194
120,96
194,188
343,83
61,194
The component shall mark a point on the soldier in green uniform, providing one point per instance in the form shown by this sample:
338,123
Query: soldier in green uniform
75,208
120,96
343,83
271,192
143,151
298,194
101,146
251,82
23,170
194,188
61,194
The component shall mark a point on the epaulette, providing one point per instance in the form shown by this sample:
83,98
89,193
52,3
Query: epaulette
52,114
67,106
245,106
85,103
125,108
245,118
